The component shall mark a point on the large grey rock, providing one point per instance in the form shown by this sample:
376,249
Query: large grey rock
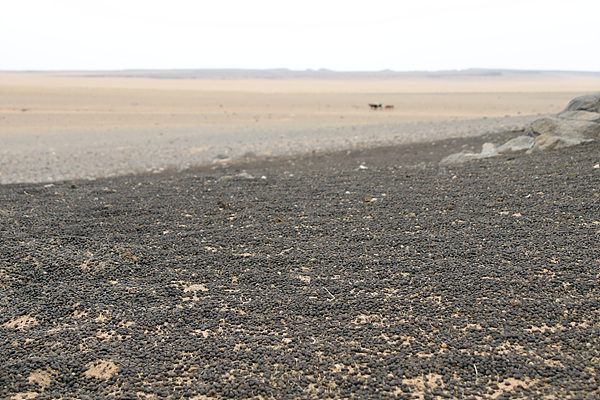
588,102
519,143
580,115
570,128
549,142
458,158
488,150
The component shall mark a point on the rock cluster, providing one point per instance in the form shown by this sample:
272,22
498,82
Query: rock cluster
579,122
490,150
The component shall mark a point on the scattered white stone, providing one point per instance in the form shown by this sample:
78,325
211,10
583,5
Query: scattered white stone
241,176
362,167
244,175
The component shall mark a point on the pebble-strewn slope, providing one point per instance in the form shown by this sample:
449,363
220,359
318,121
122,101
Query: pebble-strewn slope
360,275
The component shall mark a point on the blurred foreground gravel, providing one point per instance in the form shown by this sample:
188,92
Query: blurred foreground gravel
369,274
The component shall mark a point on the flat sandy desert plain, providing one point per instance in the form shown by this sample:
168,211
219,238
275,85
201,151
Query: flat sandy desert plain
65,125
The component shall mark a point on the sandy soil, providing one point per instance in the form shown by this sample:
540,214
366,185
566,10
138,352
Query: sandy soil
75,125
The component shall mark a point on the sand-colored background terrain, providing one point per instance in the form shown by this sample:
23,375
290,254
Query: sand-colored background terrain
73,125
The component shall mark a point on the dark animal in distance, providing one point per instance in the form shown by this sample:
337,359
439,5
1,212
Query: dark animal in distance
375,106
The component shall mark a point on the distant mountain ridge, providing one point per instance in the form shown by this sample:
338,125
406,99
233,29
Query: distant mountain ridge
282,73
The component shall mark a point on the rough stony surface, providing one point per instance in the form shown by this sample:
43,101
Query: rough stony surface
578,123
588,102
580,115
563,127
519,143
488,149
368,274
554,142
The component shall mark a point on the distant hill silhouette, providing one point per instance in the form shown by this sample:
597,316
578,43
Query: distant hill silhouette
282,73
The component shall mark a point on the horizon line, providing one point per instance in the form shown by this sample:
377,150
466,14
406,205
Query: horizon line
307,70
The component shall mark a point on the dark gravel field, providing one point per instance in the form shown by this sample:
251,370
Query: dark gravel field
369,274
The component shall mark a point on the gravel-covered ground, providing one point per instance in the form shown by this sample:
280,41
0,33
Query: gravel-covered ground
95,152
369,274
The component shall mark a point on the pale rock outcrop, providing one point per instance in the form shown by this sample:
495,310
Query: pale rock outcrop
519,143
549,142
488,150
588,102
580,116
555,126
578,123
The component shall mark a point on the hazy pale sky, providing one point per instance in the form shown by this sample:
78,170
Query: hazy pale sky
309,34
